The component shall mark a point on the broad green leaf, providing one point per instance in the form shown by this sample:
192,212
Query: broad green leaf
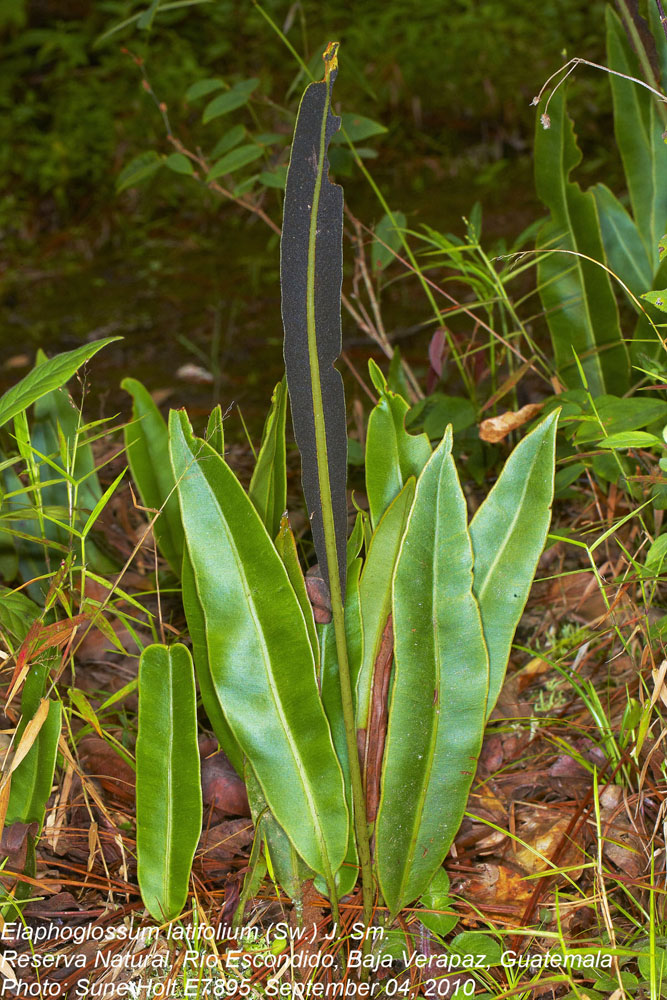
269,138
194,614
631,439
179,163
169,799
147,448
478,943
658,31
234,160
638,131
609,984
201,88
230,100
286,865
346,876
638,128
342,161
508,533
247,86
617,415
358,128
375,591
355,542
387,238
625,251
655,557
268,486
228,140
286,548
17,613
576,292
274,178
247,184
657,298
311,274
437,707
147,16
22,526
137,170
437,411
259,653
31,781
215,431
396,378
659,965
437,898
392,454
9,558
46,377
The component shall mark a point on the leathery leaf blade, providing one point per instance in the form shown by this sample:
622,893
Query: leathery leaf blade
437,708
375,591
576,292
638,131
311,276
287,867
197,628
31,781
333,706
169,800
268,486
508,533
259,653
286,549
146,444
392,454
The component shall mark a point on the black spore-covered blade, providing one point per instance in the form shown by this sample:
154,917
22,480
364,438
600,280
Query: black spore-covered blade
311,276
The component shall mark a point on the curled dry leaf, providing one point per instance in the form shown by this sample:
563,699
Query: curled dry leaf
659,690
319,596
497,428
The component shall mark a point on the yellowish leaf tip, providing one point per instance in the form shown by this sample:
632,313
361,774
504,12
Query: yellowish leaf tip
330,56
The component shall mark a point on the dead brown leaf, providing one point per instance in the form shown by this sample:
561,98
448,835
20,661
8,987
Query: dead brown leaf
318,595
495,886
14,844
113,773
621,842
226,840
577,593
222,789
542,836
495,429
659,688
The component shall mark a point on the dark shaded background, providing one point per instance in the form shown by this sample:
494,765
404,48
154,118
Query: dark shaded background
187,278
